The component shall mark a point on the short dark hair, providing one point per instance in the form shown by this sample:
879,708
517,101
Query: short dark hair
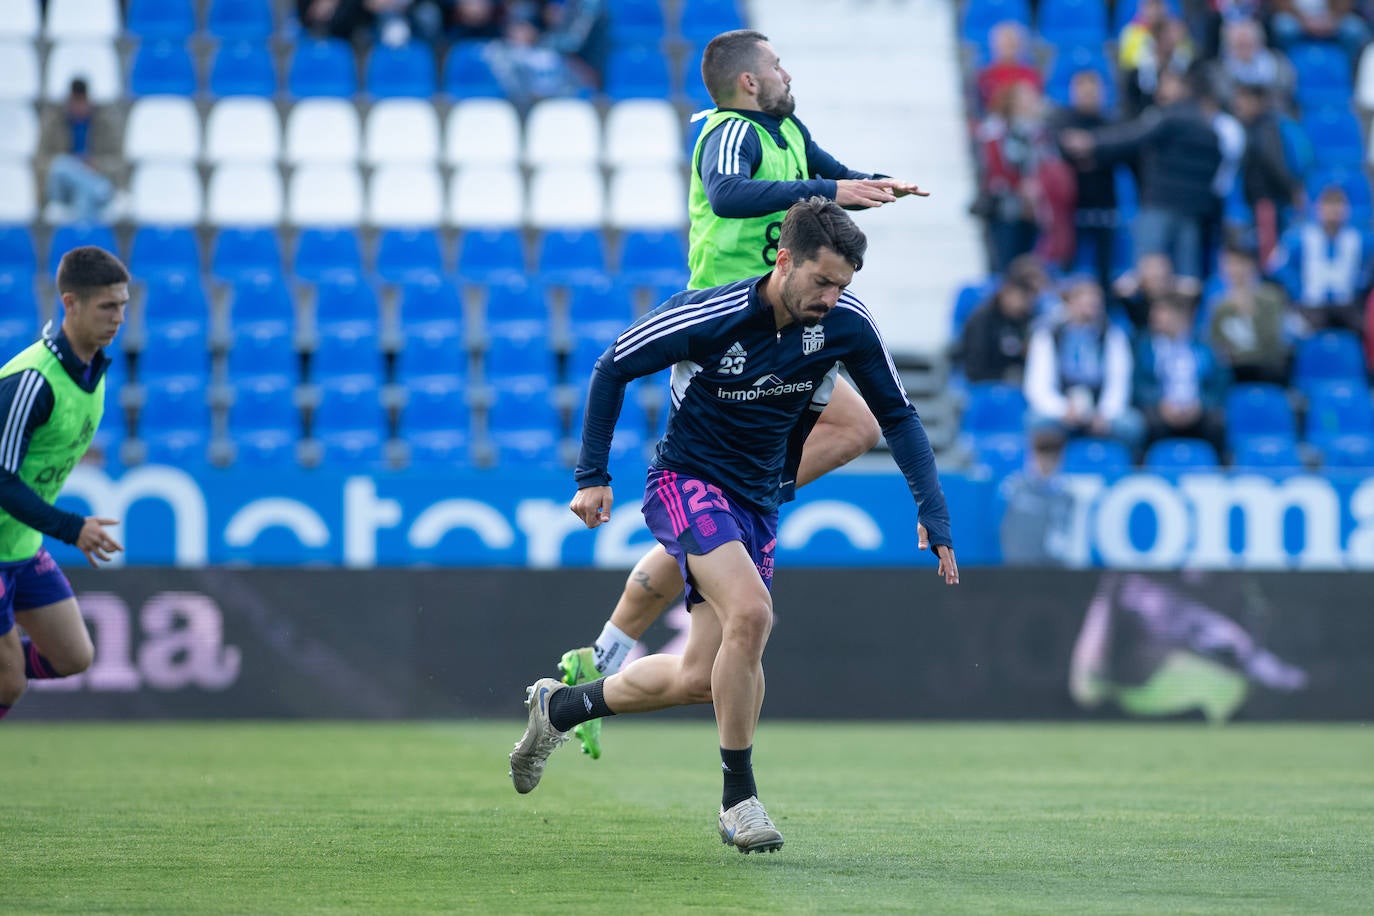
79,87
817,223
727,56
89,268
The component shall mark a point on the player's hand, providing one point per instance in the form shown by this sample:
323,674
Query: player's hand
95,542
593,505
901,188
922,537
865,192
948,567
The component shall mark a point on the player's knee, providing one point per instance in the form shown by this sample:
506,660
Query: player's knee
12,686
751,620
696,686
75,658
864,433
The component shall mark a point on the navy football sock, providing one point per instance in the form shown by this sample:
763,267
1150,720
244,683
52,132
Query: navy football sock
739,776
575,705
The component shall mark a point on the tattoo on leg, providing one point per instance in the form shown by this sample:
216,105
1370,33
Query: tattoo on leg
642,580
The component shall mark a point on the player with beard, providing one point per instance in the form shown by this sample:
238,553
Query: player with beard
748,360
753,160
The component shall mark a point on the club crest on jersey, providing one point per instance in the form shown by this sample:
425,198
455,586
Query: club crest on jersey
813,339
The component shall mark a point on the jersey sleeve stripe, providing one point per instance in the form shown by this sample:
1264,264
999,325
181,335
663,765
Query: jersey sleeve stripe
729,302
727,162
13,437
669,325
852,304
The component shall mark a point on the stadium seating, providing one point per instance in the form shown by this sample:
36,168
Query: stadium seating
19,140
345,299
653,258
517,362
1335,136
349,422
1181,455
258,349
323,253
23,19
638,22
435,421
1096,456
491,256
1000,453
243,129
642,132
562,132
1323,75
162,128
981,15
571,257
1274,452
993,408
516,309
1329,356
1353,451
1258,410
1338,408
245,252
486,197
82,19
432,349
637,72
19,77
322,67
175,297
647,197
482,132
17,254
261,300
702,20
244,195
467,74
165,193
174,348
18,326
410,196
409,255
1066,23
325,195
18,193
160,68
1071,60
566,197
323,131
524,426
65,238
246,20
601,310
401,131
403,72
431,300
174,420
263,421
243,68
158,20
346,349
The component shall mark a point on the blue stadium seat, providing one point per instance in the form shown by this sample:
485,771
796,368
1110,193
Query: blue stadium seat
632,428
262,299
246,20
1071,60
404,72
164,249
245,252
75,235
637,73
431,300
1099,456
491,256
1335,135
516,310
1329,356
1266,452
409,255
18,318
345,299
524,426
174,402
349,422
1323,73
264,402
158,20
518,362
1181,455
322,67
1354,451
703,20
435,421
432,348
1001,453
638,22
1258,410
981,15
604,304
257,350
572,256
243,68
174,348
969,297
346,348
652,258
1338,408
1065,23
17,252
175,297
993,408
328,254
162,68
467,75
588,345
694,93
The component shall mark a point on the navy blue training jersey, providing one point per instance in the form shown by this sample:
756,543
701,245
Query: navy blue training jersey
739,387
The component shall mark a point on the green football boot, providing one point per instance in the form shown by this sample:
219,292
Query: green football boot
578,666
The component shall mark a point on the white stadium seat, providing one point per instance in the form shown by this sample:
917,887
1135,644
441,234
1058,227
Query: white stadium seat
166,193
322,130
486,196
1364,80
95,61
83,19
410,196
562,132
162,128
567,197
19,73
482,132
643,132
325,195
19,137
244,195
19,19
401,131
243,129
18,196
648,197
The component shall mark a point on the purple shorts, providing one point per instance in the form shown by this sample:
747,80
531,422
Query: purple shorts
691,516
37,582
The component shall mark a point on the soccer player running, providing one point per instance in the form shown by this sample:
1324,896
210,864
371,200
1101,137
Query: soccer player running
749,359
753,160
52,396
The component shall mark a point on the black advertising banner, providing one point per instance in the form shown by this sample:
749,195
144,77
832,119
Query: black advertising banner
847,643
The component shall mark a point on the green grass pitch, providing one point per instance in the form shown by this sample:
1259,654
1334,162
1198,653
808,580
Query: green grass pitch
380,818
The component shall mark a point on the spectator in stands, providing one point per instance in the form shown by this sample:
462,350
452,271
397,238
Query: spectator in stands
1136,290
476,20
1037,524
1319,20
394,22
1246,61
528,69
995,335
580,31
1029,271
1155,42
1014,145
1009,66
1246,326
1096,217
1325,265
1271,189
1179,385
1179,156
1231,145
1078,371
80,148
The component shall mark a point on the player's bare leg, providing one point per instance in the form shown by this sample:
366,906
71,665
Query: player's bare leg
845,430
61,645
12,679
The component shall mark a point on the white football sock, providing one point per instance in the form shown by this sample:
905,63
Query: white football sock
611,649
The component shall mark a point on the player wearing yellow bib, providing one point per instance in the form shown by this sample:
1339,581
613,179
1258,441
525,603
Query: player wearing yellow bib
752,161
52,396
